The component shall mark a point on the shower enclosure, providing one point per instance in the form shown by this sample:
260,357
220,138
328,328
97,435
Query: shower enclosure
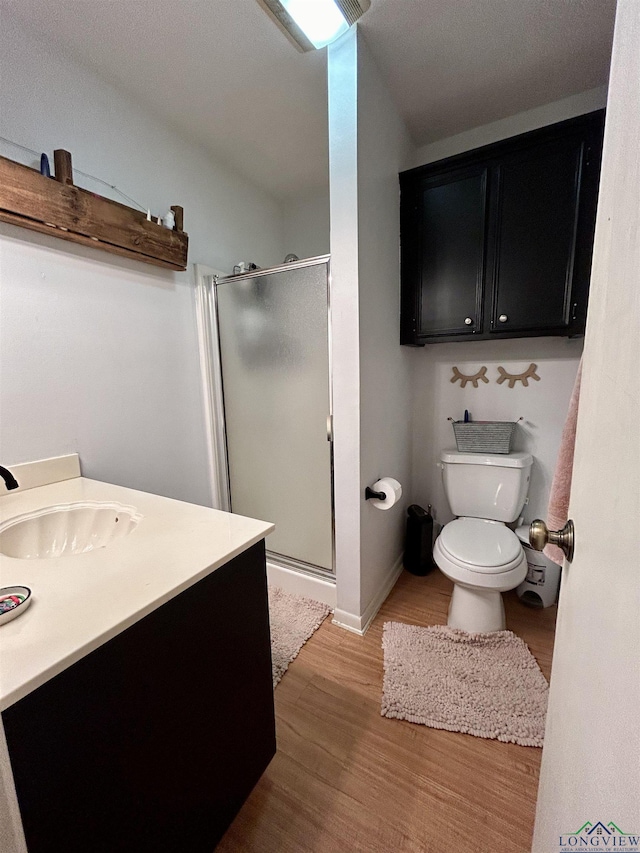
272,386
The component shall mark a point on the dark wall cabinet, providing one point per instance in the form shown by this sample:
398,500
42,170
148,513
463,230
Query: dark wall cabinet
497,242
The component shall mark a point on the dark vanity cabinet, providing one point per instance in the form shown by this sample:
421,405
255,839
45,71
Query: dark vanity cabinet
497,242
153,741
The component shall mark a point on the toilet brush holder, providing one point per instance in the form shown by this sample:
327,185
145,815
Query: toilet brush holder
418,549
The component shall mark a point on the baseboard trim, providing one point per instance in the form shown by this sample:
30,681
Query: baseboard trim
348,621
302,584
360,624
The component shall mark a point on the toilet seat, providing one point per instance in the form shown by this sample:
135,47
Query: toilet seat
481,546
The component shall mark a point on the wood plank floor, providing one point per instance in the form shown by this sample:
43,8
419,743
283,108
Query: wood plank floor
347,779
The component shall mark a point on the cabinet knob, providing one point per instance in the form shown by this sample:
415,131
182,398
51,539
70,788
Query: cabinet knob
468,321
503,318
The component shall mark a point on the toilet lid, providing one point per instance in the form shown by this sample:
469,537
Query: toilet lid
487,546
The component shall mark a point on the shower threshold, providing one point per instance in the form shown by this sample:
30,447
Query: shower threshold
300,566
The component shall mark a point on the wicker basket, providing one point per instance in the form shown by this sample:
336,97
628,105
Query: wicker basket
484,436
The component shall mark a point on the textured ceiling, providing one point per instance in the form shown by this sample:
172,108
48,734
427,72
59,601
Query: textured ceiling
222,72
457,64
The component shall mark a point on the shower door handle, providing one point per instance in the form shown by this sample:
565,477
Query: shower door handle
329,427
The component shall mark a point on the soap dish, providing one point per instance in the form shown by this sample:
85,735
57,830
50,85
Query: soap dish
14,600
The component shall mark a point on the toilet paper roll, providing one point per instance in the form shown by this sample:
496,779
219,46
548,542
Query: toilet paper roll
392,490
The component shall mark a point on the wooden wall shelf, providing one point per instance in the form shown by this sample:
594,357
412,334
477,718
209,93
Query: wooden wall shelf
57,207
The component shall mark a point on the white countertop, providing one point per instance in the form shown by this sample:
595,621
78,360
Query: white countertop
82,600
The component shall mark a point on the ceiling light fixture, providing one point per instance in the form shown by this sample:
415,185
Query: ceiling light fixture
312,24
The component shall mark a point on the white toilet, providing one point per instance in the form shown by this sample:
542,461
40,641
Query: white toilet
482,556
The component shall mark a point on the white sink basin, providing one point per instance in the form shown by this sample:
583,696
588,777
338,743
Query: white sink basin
66,529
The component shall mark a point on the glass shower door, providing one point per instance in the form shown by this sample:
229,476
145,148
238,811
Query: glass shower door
274,353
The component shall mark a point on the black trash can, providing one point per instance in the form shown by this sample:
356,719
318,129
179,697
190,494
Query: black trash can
418,550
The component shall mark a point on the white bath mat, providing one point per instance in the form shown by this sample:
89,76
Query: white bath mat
293,619
487,685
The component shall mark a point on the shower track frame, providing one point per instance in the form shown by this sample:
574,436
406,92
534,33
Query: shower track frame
207,281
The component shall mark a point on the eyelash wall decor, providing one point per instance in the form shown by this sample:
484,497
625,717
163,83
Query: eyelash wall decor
512,378
479,376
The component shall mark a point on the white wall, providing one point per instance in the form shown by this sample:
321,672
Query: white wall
368,146
384,149
306,224
99,354
543,404
575,105
342,65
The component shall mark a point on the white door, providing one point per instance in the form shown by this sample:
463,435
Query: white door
591,758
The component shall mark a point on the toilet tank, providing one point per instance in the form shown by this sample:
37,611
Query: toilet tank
490,486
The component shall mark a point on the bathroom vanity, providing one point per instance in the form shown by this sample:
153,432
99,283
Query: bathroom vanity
136,691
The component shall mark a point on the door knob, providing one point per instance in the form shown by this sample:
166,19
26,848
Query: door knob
540,535
503,318
468,321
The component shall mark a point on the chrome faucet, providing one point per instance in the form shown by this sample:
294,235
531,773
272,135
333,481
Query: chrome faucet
9,480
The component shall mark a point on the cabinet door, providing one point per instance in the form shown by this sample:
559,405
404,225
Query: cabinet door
453,214
535,213
443,252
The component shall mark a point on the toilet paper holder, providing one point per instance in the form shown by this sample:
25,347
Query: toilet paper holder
369,494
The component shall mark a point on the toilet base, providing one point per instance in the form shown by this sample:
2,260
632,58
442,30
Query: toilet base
478,611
